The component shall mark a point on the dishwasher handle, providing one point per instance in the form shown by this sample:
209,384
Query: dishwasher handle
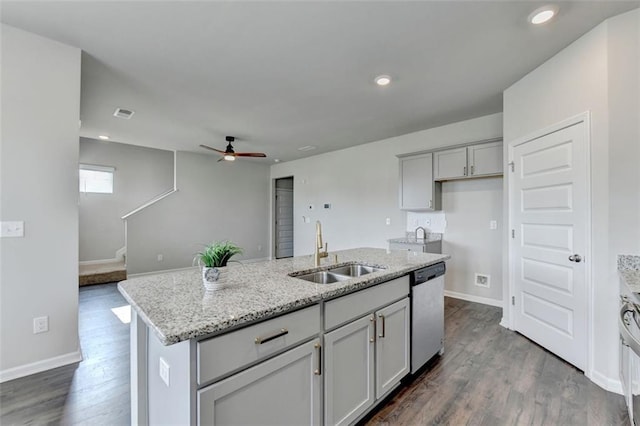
628,338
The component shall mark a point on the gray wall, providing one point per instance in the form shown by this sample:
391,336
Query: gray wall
597,73
469,206
215,201
39,185
141,174
362,185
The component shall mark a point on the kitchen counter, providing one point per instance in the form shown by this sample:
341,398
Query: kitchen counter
176,307
629,271
430,237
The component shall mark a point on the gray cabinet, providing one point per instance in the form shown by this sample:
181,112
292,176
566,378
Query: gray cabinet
349,376
485,159
450,164
284,390
477,160
418,190
355,379
392,346
429,247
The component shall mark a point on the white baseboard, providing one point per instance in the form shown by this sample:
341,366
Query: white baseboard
163,271
39,366
504,322
472,298
100,261
606,383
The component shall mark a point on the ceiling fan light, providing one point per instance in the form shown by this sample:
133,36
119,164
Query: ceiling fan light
229,157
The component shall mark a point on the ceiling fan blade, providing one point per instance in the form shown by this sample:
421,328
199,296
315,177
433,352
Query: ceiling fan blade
212,149
250,154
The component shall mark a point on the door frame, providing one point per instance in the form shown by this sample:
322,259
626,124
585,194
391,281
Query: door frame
274,213
585,118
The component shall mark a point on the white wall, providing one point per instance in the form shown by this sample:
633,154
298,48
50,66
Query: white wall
597,73
362,182
39,185
141,174
215,201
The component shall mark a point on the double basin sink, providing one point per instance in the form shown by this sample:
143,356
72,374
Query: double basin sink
337,273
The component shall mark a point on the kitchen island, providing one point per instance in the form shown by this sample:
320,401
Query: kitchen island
194,353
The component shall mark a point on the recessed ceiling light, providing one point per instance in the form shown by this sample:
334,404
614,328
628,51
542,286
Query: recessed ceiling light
307,148
543,14
276,160
103,137
382,80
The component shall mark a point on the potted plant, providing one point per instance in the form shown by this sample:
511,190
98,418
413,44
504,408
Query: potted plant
215,256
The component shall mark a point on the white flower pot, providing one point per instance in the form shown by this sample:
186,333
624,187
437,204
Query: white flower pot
211,278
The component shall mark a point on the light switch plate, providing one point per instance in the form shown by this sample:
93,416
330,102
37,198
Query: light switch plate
493,224
14,229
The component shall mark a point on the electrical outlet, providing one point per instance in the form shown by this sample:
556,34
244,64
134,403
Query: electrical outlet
164,371
482,280
493,224
388,221
259,247
12,229
40,325
160,258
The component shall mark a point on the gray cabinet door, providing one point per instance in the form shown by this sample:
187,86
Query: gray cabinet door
349,372
416,182
284,390
485,159
392,346
450,164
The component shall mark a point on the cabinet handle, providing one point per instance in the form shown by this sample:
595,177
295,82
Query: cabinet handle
464,171
318,371
264,339
381,335
373,320
472,170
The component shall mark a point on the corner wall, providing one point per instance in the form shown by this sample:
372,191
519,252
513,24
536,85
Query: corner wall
597,73
215,201
141,174
361,184
39,185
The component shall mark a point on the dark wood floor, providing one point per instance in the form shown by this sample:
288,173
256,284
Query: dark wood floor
492,376
93,392
487,376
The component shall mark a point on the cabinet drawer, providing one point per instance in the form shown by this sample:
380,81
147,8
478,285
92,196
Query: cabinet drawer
339,311
223,354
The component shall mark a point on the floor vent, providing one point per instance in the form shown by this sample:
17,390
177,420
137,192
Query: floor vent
482,280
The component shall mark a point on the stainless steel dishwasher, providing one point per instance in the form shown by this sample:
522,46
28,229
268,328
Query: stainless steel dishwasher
427,314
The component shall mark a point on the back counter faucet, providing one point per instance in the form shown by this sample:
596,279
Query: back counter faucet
318,253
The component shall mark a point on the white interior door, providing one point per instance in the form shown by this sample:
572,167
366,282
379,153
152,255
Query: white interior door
284,223
549,207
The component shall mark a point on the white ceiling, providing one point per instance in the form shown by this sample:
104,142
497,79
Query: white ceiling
282,75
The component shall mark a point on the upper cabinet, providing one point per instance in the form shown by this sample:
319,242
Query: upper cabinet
418,190
478,160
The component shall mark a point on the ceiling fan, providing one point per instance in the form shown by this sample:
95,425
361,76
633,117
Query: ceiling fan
229,154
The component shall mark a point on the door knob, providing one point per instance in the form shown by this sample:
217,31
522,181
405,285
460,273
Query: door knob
575,258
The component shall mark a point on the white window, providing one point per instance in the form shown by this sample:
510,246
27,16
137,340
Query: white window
98,179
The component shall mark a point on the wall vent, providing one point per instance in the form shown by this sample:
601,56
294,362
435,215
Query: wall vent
123,113
482,280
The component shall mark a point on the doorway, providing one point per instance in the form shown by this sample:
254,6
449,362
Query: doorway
283,235
549,239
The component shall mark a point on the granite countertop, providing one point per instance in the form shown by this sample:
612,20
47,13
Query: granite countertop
411,239
629,270
176,306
